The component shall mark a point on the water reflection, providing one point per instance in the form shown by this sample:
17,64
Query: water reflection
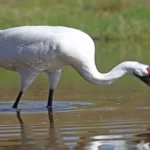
72,130
91,141
29,138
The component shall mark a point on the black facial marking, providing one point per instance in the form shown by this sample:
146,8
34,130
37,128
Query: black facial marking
145,79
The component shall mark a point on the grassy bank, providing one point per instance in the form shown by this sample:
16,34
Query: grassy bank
108,20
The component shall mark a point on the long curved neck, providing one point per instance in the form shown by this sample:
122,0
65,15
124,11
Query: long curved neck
91,74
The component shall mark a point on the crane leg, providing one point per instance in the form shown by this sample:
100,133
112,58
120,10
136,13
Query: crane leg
53,79
50,98
26,79
17,99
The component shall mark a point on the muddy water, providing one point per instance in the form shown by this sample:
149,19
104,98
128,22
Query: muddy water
76,125
84,116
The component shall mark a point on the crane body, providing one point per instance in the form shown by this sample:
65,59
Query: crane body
30,50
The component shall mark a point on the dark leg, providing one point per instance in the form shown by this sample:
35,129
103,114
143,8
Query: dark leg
19,118
50,98
17,100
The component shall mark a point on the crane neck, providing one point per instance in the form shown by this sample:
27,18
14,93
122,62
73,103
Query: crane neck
91,74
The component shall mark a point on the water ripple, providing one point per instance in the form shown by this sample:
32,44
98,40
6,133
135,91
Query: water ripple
78,126
28,106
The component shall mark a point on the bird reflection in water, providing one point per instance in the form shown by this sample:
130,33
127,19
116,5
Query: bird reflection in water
29,140
54,140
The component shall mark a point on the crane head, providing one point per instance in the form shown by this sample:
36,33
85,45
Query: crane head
144,78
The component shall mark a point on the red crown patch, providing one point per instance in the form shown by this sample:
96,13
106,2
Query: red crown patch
148,69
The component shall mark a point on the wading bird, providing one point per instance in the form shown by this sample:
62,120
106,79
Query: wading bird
30,50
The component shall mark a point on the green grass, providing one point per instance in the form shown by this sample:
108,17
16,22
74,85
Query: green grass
109,19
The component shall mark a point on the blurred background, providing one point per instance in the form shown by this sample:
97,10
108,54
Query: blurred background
109,19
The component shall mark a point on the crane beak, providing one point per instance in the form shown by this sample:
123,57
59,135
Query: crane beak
145,79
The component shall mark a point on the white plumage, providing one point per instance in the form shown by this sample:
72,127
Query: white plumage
30,50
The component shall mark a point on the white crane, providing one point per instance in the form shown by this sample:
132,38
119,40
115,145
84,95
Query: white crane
30,50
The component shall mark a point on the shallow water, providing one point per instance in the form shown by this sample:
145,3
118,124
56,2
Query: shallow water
84,116
75,125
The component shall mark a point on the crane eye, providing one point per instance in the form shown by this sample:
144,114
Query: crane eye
145,79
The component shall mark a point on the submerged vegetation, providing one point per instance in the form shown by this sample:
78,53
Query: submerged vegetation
107,20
